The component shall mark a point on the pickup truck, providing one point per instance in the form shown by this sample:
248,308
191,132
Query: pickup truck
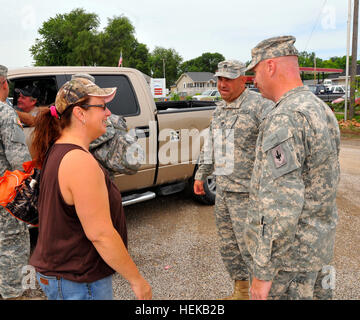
169,133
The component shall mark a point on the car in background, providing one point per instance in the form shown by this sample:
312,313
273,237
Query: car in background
324,93
208,95
337,89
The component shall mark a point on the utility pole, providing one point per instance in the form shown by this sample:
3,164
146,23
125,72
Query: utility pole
163,67
354,60
347,59
315,68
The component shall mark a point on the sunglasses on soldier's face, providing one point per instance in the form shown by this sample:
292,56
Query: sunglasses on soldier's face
95,105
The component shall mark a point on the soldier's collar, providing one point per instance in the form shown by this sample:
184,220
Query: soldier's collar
291,92
237,102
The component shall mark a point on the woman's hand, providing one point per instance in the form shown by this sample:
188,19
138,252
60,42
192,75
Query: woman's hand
142,289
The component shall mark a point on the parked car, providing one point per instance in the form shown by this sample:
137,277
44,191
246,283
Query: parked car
336,89
169,133
324,93
209,95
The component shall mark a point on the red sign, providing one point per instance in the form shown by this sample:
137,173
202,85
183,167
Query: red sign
158,91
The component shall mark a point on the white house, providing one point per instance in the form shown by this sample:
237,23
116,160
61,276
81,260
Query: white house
191,83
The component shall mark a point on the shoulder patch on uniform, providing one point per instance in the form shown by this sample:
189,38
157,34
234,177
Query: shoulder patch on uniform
279,156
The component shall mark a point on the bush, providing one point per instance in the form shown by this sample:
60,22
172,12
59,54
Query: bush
174,97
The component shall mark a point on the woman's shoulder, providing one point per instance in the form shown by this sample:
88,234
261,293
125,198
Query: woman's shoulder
79,159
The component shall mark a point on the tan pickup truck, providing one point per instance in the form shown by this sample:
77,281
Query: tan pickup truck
170,133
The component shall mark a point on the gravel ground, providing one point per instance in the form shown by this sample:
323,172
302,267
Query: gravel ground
174,243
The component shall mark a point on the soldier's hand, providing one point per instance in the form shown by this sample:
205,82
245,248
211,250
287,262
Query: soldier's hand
260,289
199,188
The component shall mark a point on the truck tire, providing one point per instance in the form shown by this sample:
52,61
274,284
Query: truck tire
209,188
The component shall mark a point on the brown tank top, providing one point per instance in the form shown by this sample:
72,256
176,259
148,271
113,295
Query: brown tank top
62,248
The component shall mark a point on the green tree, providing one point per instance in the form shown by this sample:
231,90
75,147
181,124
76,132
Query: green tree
74,39
165,59
61,37
207,62
119,37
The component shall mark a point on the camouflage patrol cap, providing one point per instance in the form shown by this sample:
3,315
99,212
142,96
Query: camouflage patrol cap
273,48
78,90
3,71
231,69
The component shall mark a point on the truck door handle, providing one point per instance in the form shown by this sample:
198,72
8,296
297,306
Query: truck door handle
141,131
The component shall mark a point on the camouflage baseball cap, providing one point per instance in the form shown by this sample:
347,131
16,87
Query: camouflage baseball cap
273,48
79,89
231,69
3,71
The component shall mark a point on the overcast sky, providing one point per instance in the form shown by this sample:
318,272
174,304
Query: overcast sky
191,27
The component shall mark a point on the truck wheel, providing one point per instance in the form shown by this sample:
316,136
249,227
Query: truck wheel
210,191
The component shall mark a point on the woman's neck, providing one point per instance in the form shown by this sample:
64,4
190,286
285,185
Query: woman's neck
78,138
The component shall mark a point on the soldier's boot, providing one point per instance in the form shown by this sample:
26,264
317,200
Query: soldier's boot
241,291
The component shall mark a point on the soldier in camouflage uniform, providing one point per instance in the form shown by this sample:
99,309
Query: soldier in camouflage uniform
233,131
290,229
14,235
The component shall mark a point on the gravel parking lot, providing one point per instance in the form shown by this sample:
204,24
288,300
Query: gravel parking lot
174,243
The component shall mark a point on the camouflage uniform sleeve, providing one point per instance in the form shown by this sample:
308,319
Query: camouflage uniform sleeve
206,158
117,150
280,194
13,139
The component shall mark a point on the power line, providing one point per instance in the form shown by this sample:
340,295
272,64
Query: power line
315,25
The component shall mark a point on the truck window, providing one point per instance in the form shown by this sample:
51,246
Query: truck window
47,86
125,102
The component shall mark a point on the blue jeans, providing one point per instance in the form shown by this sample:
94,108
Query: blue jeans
57,288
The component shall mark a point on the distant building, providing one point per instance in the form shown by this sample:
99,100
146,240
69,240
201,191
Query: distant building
191,83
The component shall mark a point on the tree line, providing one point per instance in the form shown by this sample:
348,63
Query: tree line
74,39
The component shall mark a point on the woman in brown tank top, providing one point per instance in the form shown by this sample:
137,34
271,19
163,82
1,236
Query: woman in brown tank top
82,231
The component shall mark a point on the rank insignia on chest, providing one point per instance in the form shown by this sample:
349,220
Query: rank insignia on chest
278,156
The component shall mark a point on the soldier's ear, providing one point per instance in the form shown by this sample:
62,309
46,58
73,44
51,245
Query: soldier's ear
271,67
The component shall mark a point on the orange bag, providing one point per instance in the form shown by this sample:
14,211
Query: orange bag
19,192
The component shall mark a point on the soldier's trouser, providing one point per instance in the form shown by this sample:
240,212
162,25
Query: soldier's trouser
298,286
14,254
230,214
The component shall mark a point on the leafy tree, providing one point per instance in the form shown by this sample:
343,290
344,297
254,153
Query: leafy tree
73,39
207,62
119,37
168,58
61,37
